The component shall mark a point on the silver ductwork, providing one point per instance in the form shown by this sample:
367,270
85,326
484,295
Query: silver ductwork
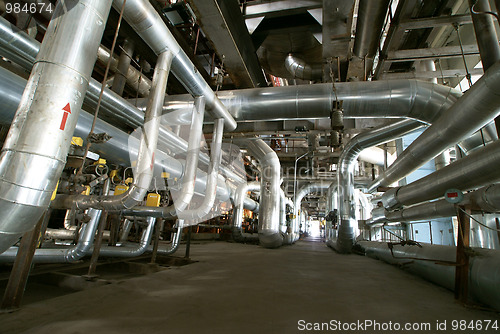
371,17
131,249
144,19
485,199
307,189
346,234
39,138
476,108
144,168
269,208
133,77
68,255
299,69
475,170
212,176
239,198
23,49
484,266
415,99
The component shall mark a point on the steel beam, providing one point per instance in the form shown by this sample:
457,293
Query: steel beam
431,53
224,26
433,22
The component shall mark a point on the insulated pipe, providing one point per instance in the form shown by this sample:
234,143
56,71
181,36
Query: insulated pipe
174,244
239,197
68,255
269,209
347,229
484,267
371,17
131,249
134,78
307,189
485,199
212,176
122,67
486,33
476,108
143,172
24,50
299,69
40,135
144,19
477,169
116,149
415,99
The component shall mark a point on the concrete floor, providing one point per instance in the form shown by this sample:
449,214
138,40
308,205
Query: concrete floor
235,288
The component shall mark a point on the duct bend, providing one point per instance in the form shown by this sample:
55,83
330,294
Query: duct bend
301,70
239,201
212,176
39,138
129,249
347,229
146,154
269,209
484,267
68,255
473,110
144,19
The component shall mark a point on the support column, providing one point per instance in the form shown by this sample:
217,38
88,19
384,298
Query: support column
18,278
462,269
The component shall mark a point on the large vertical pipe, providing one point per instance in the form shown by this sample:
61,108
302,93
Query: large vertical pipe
122,68
39,138
239,200
486,34
345,176
269,211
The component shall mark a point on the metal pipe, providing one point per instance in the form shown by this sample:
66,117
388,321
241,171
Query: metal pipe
299,69
371,17
415,99
68,255
484,266
486,33
347,229
239,197
212,176
25,49
132,249
117,148
143,171
485,199
476,108
477,169
144,19
39,138
174,244
122,67
133,77
307,189
269,225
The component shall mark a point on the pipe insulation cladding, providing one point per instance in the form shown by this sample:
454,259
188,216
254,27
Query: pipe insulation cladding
39,138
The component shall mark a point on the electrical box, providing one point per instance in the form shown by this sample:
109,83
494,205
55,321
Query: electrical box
153,199
120,189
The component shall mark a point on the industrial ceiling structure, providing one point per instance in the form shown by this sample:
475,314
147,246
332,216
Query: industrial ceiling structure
359,116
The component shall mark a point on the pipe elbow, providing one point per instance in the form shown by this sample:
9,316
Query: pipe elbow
270,239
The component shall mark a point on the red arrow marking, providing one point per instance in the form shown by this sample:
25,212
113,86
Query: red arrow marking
152,161
67,111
